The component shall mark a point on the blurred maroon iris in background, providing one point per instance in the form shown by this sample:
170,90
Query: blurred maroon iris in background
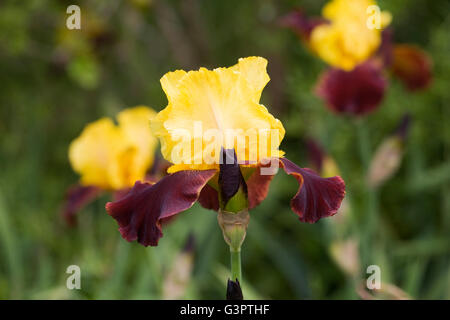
360,90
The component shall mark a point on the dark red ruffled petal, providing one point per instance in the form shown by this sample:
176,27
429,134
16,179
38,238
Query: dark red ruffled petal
300,23
317,197
140,212
354,92
258,187
209,198
76,198
411,65
119,194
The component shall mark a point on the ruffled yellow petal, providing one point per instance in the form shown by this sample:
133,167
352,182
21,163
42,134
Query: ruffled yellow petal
114,157
135,125
209,109
347,41
90,154
254,71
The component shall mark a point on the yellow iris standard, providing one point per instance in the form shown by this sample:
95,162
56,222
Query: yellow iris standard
347,40
208,109
112,156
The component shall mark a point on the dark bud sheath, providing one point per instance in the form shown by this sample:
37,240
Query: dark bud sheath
189,246
234,291
402,129
231,181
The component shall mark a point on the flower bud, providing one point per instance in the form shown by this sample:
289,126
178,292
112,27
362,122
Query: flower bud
412,66
234,291
386,162
345,254
388,157
234,227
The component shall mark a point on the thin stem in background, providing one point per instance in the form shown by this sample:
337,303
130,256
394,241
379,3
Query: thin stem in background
370,206
12,253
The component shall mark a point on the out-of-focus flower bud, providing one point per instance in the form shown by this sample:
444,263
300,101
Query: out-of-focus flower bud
345,254
234,291
177,280
388,157
386,161
412,65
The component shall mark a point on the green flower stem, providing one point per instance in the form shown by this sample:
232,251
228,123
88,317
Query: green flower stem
234,228
370,195
363,143
236,271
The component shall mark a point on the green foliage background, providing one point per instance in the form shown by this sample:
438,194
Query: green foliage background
50,88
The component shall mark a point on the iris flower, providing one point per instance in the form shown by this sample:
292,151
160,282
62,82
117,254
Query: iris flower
207,167
360,54
110,157
389,154
341,37
346,40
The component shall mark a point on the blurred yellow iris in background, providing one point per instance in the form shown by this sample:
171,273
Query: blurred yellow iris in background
112,156
346,40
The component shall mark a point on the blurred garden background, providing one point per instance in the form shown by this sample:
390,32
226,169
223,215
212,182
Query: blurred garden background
53,81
